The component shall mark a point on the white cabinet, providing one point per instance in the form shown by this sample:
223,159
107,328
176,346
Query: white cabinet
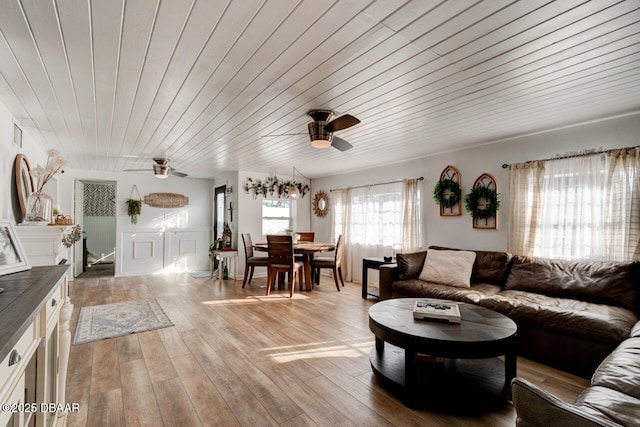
43,244
35,348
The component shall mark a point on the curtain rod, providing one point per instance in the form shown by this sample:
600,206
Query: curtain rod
570,156
372,185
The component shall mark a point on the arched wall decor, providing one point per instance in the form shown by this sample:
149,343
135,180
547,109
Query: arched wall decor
484,196
449,180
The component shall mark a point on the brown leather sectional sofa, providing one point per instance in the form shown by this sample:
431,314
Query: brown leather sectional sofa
612,399
570,314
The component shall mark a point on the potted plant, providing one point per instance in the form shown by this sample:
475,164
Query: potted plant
134,207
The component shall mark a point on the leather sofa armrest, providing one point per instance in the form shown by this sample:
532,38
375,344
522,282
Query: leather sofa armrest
388,274
537,408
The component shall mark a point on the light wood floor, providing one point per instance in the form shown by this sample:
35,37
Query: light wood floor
236,357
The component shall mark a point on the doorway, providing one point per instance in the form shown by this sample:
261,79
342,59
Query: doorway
95,210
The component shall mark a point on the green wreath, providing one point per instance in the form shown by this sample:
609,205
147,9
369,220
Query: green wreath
454,193
480,192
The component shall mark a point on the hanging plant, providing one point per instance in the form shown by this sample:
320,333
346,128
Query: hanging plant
134,207
273,187
447,193
486,210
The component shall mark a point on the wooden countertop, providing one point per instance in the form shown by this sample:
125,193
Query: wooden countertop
25,294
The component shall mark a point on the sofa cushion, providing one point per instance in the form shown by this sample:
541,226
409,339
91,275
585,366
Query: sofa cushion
448,267
635,331
420,289
489,267
410,265
598,322
613,283
618,407
621,369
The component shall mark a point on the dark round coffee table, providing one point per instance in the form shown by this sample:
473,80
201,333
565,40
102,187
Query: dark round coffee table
433,358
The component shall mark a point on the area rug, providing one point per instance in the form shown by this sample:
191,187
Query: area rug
99,322
200,274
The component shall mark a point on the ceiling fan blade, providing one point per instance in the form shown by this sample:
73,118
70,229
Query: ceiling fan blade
178,174
341,122
137,170
341,144
281,134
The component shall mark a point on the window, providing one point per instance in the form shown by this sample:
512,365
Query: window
573,213
376,221
277,216
581,207
375,216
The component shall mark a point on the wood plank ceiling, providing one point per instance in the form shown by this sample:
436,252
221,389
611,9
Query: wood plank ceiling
113,83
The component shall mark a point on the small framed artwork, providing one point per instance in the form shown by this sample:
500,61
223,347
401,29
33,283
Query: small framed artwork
17,135
12,257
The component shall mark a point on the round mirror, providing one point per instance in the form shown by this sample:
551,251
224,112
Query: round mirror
24,181
320,204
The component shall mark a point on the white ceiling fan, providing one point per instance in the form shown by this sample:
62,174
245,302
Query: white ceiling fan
161,169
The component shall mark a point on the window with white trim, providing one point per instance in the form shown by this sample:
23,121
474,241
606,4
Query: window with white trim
277,215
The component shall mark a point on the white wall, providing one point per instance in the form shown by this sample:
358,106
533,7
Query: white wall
458,231
448,231
186,224
9,205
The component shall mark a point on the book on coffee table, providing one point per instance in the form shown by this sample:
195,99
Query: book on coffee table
430,310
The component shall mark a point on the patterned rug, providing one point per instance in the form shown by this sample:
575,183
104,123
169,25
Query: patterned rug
200,274
99,322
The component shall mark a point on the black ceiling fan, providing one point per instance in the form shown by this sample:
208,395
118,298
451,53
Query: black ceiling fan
321,129
161,169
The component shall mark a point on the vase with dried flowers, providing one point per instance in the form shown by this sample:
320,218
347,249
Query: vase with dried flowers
40,204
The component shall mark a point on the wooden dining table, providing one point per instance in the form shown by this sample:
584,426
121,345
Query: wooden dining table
306,249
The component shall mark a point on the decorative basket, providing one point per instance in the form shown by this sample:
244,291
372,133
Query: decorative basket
63,220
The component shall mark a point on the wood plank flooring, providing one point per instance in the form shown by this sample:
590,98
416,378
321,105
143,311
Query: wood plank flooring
238,358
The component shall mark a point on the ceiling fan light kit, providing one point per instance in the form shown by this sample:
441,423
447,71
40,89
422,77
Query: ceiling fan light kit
318,135
161,169
321,129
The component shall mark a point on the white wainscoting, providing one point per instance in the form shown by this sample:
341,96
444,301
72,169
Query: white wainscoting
142,252
152,251
187,250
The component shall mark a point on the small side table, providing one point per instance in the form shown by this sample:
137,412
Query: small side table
375,263
222,254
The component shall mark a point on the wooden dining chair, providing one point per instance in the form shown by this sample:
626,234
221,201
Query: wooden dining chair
251,261
281,261
333,263
306,236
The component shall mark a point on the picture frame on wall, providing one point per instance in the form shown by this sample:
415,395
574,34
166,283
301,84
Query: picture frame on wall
17,135
12,256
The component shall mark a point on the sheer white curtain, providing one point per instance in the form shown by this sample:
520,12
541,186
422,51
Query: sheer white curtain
525,185
341,200
622,205
573,193
411,215
581,207
371,221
